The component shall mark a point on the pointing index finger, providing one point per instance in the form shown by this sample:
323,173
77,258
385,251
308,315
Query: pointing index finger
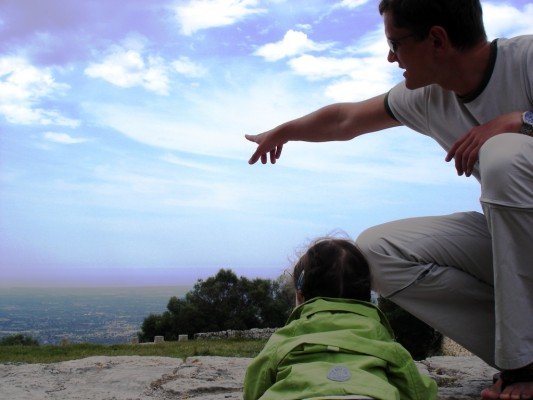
251,138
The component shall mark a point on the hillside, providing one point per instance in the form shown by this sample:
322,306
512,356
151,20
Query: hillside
95,315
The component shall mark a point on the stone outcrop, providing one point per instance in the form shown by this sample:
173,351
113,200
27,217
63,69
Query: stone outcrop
206,378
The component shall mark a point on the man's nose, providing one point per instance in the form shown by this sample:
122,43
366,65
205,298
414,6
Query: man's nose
391,57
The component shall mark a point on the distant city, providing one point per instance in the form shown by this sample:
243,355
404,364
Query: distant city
81,315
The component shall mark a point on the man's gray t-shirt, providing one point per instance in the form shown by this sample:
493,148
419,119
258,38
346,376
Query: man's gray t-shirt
446,117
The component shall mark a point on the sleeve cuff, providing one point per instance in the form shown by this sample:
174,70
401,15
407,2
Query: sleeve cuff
387,107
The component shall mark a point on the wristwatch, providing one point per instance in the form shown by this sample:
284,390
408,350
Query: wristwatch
527,123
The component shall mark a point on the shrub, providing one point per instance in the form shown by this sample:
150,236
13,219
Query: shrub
420,339
18,340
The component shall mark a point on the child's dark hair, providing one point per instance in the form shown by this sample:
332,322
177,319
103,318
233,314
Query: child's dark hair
333,268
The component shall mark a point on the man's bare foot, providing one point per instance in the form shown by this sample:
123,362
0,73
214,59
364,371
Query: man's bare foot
494,391
511,384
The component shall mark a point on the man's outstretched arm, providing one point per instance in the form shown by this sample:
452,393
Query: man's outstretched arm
341,121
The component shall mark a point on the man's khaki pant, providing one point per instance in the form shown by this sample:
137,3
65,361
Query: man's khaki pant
469,275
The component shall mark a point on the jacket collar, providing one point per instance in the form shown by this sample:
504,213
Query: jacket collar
324,304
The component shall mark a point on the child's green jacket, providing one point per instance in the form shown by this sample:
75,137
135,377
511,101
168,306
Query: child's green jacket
335,347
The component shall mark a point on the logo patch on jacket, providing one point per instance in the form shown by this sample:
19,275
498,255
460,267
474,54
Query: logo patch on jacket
339,374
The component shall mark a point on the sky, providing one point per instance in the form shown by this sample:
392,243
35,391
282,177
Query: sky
122,152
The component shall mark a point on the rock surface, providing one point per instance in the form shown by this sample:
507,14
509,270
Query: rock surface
206,378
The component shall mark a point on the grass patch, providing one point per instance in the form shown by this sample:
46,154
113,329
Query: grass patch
50,353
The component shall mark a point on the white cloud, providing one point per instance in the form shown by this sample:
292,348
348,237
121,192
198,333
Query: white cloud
372,44
292,44
404,157
356,89
315,68
305,27
128,68
23,87
504,20
211,123
172,159
188,68
351,4
63,138
204,14
222,137
147,188
363,74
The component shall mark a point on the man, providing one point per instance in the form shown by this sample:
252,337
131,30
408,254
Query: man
469,275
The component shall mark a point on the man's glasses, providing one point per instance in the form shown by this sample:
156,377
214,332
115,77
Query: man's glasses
394,43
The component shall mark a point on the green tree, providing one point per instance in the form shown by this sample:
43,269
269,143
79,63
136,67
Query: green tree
420,339
222,302
270,302
150,327
18,340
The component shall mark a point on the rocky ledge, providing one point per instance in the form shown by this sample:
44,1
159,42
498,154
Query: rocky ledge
206,378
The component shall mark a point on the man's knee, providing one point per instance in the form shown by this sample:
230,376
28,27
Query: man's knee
375,243
385,258
367,240
506,166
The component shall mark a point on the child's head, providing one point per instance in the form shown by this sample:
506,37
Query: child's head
332,268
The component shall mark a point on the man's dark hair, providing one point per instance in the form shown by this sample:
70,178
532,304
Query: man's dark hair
462,19
333,268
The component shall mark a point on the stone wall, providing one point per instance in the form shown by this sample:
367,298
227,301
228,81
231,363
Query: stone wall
449,347
255,333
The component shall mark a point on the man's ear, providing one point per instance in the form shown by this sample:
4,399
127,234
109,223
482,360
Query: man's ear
439,38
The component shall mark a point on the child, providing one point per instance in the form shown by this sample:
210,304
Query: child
336,344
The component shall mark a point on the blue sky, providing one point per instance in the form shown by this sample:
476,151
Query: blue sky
122,151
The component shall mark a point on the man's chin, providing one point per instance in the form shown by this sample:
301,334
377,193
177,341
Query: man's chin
413,84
